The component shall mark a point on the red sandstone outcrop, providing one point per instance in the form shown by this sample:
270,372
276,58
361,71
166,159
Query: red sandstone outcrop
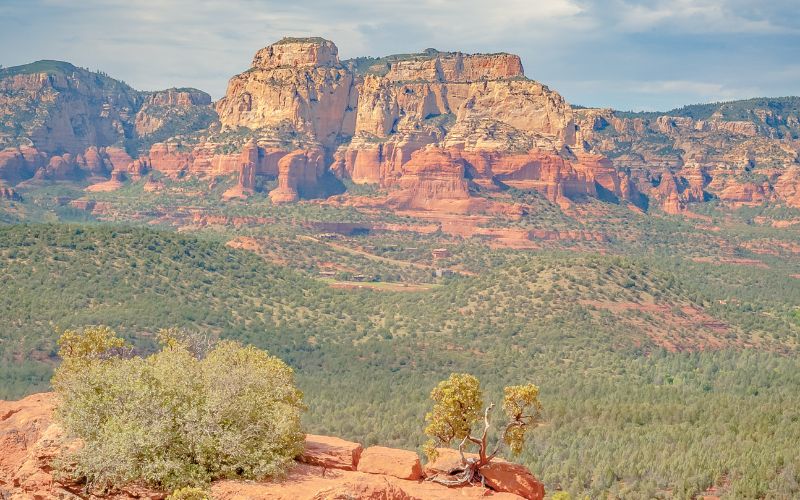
494,122
435,66
330,468
297,52
371,116
245,183
401,464
8,193
677,160
72,111
297,171
297,82
331,452
18,164
787,187
176,160
432,180
512,478
114,183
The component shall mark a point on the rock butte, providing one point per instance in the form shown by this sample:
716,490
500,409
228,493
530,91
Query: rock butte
432,129
329,468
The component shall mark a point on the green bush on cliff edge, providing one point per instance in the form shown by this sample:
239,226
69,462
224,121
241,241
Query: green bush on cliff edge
191,413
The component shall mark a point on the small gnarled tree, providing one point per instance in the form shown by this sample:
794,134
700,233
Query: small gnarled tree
457,411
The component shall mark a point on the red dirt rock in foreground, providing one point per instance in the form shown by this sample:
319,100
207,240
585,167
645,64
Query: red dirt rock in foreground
331,452
401,464
29,440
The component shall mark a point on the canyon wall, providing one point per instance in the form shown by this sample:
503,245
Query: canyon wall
679,160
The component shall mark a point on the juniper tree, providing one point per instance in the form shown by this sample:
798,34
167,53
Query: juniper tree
458,409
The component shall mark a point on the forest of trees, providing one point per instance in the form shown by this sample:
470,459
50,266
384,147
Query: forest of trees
632,408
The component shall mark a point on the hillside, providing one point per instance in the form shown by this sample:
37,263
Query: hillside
628,351
380,223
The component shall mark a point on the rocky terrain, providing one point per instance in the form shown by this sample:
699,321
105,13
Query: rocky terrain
743,152
61,122
441,132
329,468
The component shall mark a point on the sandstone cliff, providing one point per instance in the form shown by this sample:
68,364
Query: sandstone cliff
370,121
741,153
299,82
59,119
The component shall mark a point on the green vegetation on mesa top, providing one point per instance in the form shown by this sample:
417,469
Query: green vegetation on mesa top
367,65
309,39
52,67
586,328
731,110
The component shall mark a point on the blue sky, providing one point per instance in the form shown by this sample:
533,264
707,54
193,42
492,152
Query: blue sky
626,54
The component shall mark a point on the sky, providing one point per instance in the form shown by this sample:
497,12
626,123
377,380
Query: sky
626,54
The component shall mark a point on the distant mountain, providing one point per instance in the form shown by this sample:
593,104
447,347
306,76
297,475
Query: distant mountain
60,109
439,131
776,116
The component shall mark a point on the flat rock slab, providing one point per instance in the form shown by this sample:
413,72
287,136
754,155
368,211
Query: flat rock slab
401,464
331,452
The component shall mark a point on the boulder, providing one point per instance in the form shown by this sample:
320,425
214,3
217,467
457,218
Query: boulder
381,489
512,478
402,464
331,452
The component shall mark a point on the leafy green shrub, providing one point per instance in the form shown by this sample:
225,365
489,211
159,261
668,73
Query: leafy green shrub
177,418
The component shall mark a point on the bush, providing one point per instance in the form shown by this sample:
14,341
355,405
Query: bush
176,418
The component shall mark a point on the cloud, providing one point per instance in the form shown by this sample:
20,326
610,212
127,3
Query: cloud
705,47
698,16
700,89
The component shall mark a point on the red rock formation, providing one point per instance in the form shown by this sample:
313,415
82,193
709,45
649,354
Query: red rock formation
493,106
670,195
203,159
297,52
748,193
73,111
401,464
299,170
787,187
246,183
115,182
455,67
8,193
298,82
117,158
331,452
18,164
432,180
512,478
28,441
